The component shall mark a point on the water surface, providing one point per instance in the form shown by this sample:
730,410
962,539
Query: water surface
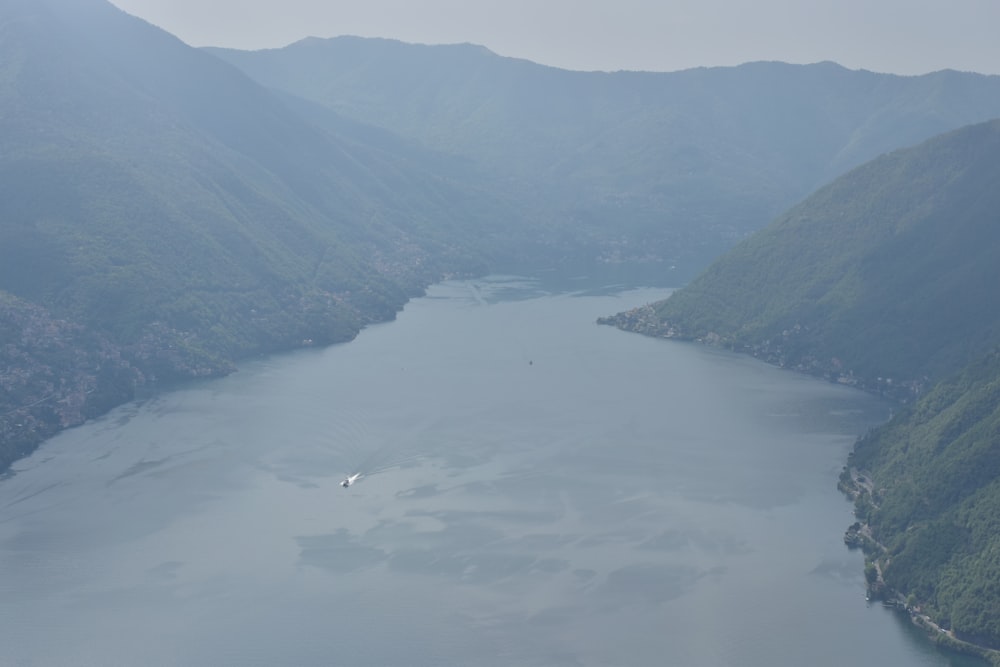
538,490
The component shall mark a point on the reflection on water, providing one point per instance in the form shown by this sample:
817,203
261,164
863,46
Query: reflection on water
536,490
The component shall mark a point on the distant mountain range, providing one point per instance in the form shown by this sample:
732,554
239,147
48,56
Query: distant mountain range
673,167
886,279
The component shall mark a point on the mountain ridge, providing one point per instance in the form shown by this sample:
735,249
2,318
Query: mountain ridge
681,164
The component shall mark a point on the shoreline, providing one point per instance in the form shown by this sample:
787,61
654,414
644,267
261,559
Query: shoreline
853,483
857,485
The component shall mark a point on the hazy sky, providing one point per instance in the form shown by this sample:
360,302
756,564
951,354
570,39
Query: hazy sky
902,36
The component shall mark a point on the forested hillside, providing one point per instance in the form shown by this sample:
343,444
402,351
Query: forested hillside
883,279
669,167
935,505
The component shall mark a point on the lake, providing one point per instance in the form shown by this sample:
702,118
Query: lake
535,490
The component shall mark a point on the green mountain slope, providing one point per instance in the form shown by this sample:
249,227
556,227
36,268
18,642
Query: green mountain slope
155,198
671,166
882,278
936,501
138,170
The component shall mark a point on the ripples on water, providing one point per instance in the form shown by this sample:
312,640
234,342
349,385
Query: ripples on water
539,491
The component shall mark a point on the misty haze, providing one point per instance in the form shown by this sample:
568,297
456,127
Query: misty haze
393,350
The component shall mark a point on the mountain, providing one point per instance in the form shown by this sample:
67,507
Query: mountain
885,279
882,278
672,167
159,206
133,161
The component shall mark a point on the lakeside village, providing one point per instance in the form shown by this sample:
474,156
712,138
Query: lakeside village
644,320
55,373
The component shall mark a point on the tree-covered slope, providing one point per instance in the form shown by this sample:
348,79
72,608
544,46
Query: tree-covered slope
671,166
141,177
884,277
155,198
935,505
